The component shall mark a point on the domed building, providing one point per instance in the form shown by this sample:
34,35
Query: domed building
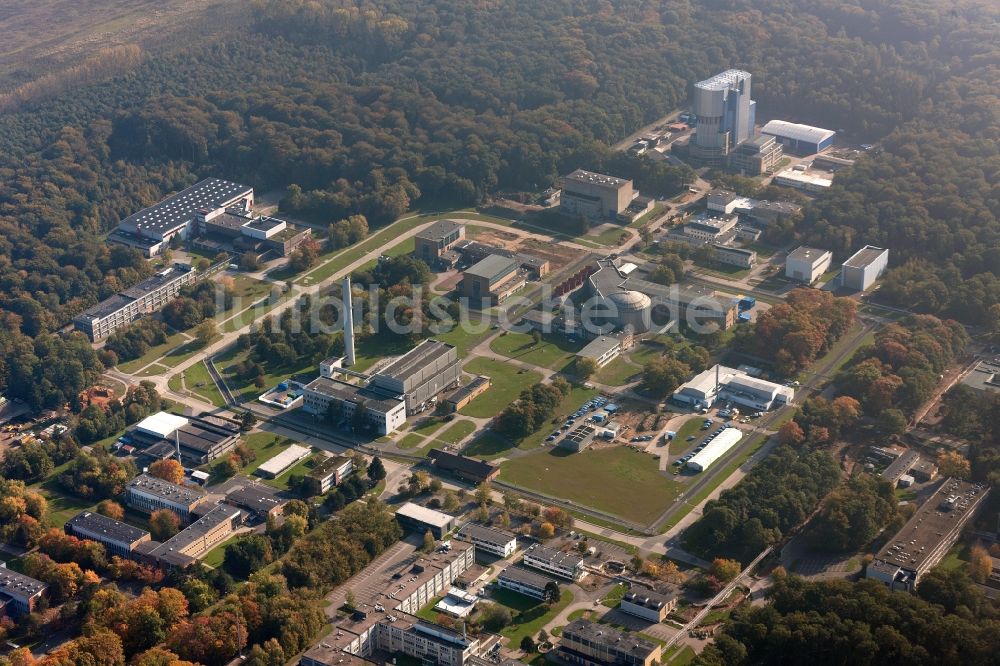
631,310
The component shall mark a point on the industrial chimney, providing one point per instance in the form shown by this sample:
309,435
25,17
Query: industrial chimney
348,322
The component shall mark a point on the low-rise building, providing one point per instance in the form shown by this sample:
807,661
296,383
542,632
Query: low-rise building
18,593
526,582
579,438
587,643
719,446
283,462
928,536
492,280
763,213
711,228
807,180
420,375
799,139
414,517
118,538
147,494
258,501
329,473
807,264
467,469
984,376
555,562
489,539
647,604
595,195
603,349
192,543
469,392
437,239
721,382
383,412
475,251
864,267
200,439
734,256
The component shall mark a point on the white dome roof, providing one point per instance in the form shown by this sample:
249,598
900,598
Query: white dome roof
630,300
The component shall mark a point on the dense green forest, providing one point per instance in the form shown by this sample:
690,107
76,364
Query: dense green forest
373,107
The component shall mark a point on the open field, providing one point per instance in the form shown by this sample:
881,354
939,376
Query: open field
529,621
175,340
618,480
618,372
508,382
690,427
553,351
457,431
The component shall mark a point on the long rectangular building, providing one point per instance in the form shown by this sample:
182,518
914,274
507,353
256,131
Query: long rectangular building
385,412
421,519
147,494
926,538
145,297
421,374
722,383
587,643
202,439
489,539
555,562
117,537
18,593
190,544
525,581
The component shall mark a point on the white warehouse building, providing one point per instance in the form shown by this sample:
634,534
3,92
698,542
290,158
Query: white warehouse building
715,449
807,264
722,383
864,267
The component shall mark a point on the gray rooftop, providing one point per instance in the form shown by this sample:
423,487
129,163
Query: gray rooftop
598,347
193,532
18,585
114,530
166,490
591,178
724,80
343,391
984,377
554,557
611,638
328,466
151,284
181,207
415,360
864,256
486,533
440,230
254,497
809,254
526,577
647,598
492,267
106,308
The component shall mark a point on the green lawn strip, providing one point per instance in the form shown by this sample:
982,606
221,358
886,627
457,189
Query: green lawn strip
429,427
176,382
265,446
580,613
302,468
643,354
154,370
553,351
488,445
254,312
957,557
405,247
838,347
618,372
619,481
508,382
215,556
691,502
427,612
178,355
610,525
152,354
690,427
465,337
611,237
373,348
245,390
410,441
530,621
199,382
457,431
614,597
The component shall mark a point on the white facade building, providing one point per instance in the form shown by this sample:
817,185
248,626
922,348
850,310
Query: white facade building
807,264
864,267
722,383
555,562
715,449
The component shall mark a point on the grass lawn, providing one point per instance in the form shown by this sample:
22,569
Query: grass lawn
956,558
215,556
508,382
464,340
431,426
614,597
620,480
690,427
488,445
610,237
251,314
244,390
180,354
553,351
154,353
265,445
399,249
410,441
302,468
643,354
618,372
457,432
198,382
679,656
530,621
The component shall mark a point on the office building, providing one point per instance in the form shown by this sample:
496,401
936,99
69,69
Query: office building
725,115
763,213
488,540
807,180
587,643
145,297
555,562
493,280
734,256
604,349
420,375
188,546
984,376
147,494
926,538
471,470
525,581
647,604
709,228
807,264
431,243
799,139
328,474
757,156
283,462
718,446
722,383
18,593
864,267
384,413
151,229
118,538
257,500
595,195
416,518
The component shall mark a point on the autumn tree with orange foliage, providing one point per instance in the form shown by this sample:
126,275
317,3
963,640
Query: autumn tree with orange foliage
168,470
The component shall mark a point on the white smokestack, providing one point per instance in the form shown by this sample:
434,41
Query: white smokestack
348,322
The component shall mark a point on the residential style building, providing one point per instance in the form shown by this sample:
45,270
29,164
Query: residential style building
734,256
147,494
647,604
928,536
554,562
118,538
492,280
595,195
188,546
864,267
328,474
488,539
416,518
725,116
471,470
151,229
525,581
722,383
431,243
807,264
145,297
799,139
420,375
469,392
587,643
18,593
384,413
284,461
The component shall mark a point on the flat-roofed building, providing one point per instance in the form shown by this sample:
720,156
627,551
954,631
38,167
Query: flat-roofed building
710,228
579,438
984,376
430,243
602,350
647,604
807,180
19,593
469,392
144,297
117,537
328,473
489,539
756,156
467,469
475,251
492,280
587,643
722,383
725,116
807,264
282,462
525,581
201,439
192,543
384,412
763,213
734,256
420,375
555,562
928,536
259,501
718,446
595,195
414,517
147,494
864,267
